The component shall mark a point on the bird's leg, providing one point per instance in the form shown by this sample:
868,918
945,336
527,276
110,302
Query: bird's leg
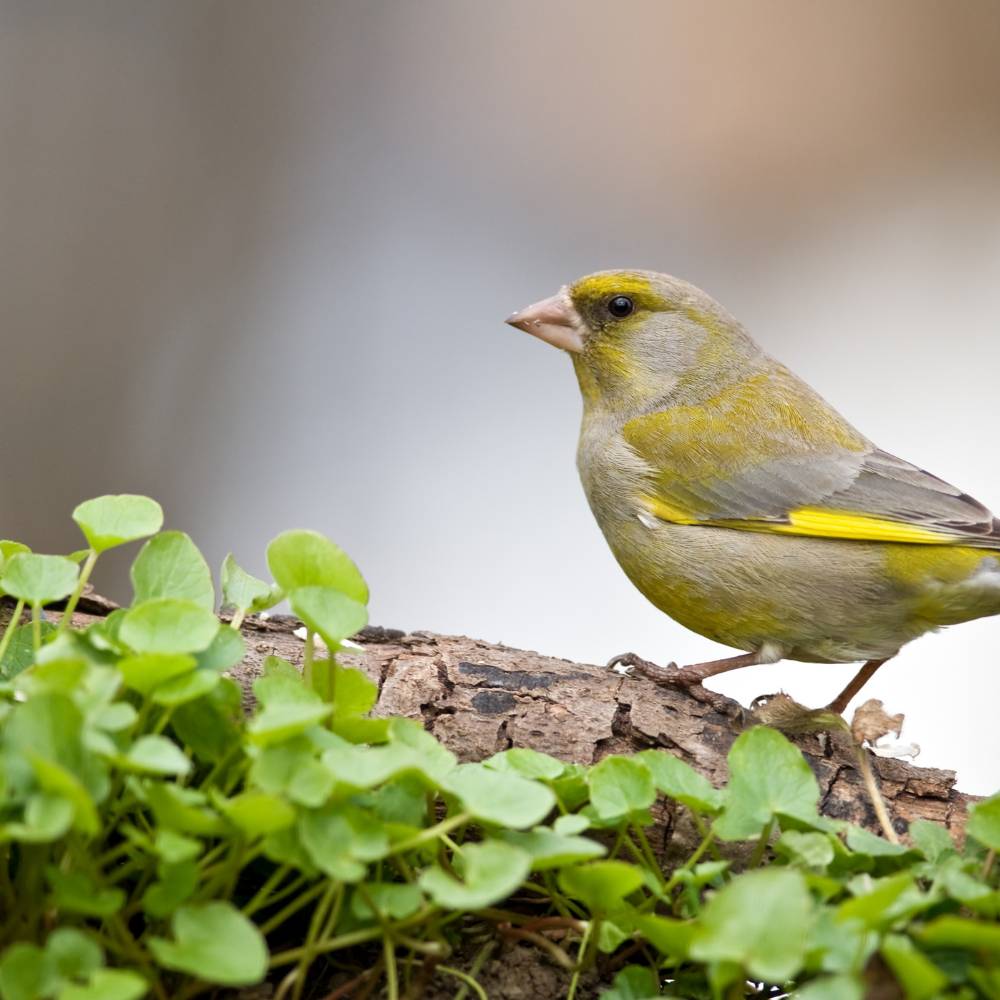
674,676
861,678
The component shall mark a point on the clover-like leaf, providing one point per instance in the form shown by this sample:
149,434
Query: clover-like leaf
107,984
601,885
507,799
759,922
38,579
109,521
334,615
681,782
769,778
154,754
620,786
170,565
145,672
213,942
308,559
76,892
168,625
549,849
984,822
245,592
490,872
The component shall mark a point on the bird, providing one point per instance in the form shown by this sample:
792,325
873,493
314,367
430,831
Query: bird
741,503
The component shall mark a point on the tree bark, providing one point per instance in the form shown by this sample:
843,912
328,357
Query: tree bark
479,698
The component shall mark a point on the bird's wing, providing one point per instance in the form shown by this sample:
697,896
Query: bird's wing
774,457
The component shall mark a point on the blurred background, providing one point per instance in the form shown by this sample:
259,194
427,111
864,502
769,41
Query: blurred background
256,257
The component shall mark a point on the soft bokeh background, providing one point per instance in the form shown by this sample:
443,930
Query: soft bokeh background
255,258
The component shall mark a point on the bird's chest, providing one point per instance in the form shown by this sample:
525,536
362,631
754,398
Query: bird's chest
613,476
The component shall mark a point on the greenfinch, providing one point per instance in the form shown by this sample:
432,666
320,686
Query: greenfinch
741,503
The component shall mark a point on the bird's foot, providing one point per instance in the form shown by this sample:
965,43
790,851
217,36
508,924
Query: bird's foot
669,676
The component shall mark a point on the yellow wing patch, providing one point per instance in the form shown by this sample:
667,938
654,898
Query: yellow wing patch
817,522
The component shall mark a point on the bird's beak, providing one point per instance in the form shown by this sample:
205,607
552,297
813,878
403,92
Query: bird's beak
553,320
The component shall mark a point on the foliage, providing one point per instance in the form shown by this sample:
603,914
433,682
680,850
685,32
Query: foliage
155,841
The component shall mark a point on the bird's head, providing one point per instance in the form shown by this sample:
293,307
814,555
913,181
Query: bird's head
635,335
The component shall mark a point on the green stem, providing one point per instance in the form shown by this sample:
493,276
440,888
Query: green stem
647,851
581,955
36,628
307,658
765,838
237,620
431,833
261,897
469,981
81,583
293,907
391,973
8,632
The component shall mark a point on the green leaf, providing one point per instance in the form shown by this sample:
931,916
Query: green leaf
176,885
168,625
841,987
528,763
174,847
72,954
571,824
308,559
258,813
505,799
620,786
931,839
223,652
341,840
552,850
181,809
334,615
39,579
213,942
25,973
634,982
147,671
107,984
46,818
758,921
917,974
984,823
669,936
170,565
681,782
396,900
77,892
279,721
809,849
190,686
769,778
958,932
153,754
877,903
490,872
245,592
9,548
109,521
601,885
862,841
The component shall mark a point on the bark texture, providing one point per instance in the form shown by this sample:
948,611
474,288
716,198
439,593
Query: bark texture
479,698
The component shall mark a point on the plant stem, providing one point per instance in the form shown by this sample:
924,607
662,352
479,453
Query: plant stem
469,981
391,973
765,838
8,632
81,583
431,833
36,628
307,658
871,785
581,955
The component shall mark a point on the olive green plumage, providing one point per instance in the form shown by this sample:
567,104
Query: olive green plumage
739,501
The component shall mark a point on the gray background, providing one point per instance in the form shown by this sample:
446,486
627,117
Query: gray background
256,258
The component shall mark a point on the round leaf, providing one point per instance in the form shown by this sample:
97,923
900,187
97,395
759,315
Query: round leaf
602,885
620,786
39,579
213,942
170,565
507,799
492,871
329,612
308,559
758,921
168,625
109,521
153,754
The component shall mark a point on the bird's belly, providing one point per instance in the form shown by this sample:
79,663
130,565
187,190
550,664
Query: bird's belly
821,600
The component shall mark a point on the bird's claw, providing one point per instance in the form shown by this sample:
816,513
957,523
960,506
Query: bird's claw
671,675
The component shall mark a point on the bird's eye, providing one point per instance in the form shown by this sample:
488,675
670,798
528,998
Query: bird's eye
621,306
